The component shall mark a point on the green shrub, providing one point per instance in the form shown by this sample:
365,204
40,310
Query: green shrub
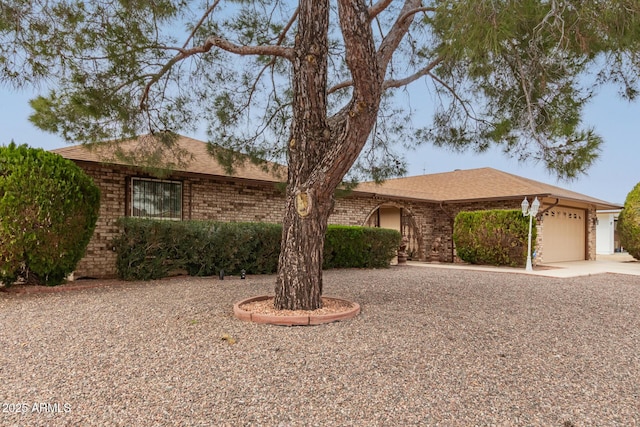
148,249
496,237
232,247
48,211
629,223
151,249
359,247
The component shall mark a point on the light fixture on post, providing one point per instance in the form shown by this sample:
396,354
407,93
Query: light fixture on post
530,212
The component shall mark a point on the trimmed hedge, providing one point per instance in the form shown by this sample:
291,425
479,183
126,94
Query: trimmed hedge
152,249
48,211
495,237
359,247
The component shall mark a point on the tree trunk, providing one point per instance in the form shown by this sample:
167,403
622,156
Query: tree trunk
322,150
299,282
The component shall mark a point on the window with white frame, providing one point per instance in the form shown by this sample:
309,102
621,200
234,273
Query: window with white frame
155,198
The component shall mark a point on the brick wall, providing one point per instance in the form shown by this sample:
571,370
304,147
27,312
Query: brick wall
224,200
592,216
100,259
435,220
232,201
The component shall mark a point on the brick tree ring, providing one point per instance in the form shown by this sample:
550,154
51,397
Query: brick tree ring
260,310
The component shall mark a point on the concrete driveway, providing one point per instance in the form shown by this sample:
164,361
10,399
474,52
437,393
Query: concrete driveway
620,263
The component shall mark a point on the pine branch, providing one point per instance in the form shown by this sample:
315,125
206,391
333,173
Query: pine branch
378,7
425,71
455,95
211,42
209,10
400,28
215,41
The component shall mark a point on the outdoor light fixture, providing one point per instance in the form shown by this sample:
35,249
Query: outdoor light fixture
530,211
243,273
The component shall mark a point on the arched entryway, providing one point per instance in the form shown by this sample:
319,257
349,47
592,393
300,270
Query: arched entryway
398,218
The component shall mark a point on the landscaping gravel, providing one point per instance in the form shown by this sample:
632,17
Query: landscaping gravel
431,347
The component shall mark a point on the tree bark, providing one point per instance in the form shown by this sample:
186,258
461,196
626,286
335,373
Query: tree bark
321,149
299,281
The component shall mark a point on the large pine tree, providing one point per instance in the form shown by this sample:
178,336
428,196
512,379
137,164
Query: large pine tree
313,82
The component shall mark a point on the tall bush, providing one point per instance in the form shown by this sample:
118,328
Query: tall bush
232,247
629,223
149,249
152,249
48,211
495,237
362,247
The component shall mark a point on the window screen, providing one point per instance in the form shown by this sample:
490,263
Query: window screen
158,199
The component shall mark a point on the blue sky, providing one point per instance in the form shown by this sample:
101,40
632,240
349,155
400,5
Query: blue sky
610,179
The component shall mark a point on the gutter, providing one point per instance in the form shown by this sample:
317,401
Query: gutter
547,208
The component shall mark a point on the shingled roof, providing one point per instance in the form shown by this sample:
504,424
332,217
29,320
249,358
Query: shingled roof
198,159
484,184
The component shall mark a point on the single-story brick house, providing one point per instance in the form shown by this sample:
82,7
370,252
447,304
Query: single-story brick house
421,207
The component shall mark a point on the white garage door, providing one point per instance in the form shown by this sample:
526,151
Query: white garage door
563,235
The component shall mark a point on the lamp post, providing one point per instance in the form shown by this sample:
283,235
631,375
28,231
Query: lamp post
530,212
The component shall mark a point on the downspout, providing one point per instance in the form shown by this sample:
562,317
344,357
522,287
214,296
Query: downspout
549,207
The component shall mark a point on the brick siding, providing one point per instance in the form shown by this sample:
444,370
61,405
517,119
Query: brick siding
203,198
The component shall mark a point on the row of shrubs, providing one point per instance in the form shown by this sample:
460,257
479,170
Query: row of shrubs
151,249
495,237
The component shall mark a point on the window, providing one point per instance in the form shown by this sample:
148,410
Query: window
153,198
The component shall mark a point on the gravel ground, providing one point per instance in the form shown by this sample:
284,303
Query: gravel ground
431,347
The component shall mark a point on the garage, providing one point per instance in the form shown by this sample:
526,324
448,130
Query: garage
563,234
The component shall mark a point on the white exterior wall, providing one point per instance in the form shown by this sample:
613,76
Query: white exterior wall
605,234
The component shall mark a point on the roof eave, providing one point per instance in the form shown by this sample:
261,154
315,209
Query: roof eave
177,172
598,204
375,195
495,198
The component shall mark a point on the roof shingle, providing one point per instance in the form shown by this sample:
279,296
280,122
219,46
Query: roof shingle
474,185
198,160
453,187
